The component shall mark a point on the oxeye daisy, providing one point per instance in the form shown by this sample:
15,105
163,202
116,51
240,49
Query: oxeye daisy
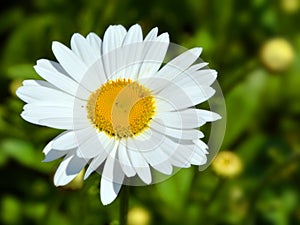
126,113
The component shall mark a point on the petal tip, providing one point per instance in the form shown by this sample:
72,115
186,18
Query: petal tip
197,51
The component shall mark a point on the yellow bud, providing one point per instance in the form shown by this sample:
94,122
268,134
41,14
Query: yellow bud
290,6
277,54
138,216
77,183
227,164
14,85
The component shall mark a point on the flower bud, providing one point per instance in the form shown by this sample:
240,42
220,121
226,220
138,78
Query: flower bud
138,216
227,164
290,6
277,54
77,183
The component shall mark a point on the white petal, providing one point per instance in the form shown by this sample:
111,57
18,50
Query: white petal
198,94
99,159
108,145
185,97
206,77
40,113
95,163
177,133
35,93
113,38
134,35
48,148
91,145
112,178
42,110
84,50
63,123
152,34
68,170
196,67
199,78
148,143
75,165
109,191
66,140
185,119
163,105
165,168
198,158
52,65
141,166
69,61
124,160
96,42
159,160
112,41
125,62
179,156
177,65
208,115
138,162
59,80
160,150
129,60
145,142
39,104
54,115
94,77
51,154
41,83
201,145
154,54
60,177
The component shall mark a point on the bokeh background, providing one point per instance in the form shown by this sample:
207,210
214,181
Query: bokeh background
254,46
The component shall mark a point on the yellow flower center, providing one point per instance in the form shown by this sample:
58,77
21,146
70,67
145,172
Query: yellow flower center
121,108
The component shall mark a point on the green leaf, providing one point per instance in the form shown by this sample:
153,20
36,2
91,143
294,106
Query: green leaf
35,210
174,191
10,18
24,153
3,158
250,148
10,210
242,104
22,71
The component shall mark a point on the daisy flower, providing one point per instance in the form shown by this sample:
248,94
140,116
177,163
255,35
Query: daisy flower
126,113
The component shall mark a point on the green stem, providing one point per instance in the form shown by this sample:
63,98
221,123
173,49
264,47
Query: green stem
193,183
124,200
207,216
215,191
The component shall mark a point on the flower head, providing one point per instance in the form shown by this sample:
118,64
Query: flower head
124,114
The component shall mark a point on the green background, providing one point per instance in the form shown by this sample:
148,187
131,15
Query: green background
263,109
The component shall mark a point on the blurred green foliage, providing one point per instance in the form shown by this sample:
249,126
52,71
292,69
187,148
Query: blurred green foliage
263,113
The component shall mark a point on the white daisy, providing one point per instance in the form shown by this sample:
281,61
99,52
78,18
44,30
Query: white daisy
124,113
